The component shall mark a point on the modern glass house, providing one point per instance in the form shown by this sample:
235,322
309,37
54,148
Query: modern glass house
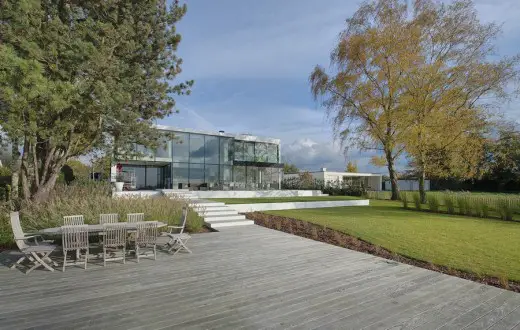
201,160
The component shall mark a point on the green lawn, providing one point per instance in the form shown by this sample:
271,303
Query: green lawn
481,246
282,199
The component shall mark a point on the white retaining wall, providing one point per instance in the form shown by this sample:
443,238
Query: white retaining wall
295,205
254,193
137,193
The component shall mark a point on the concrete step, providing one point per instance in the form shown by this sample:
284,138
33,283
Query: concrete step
224,218
198,205
231,223
207,213
180,196
213,208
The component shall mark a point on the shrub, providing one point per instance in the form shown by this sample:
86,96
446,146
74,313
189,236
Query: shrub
481,207
433,202
471,206
405,199
505,209
462,204
417,200
379,195
449,202
90,201
484,210
5,171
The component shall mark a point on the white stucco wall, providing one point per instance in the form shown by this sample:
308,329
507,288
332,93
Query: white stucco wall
137,193
254,193
295,205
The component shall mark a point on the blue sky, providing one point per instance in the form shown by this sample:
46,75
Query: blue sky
251,60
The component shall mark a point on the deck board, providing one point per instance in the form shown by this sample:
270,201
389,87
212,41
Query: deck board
251,277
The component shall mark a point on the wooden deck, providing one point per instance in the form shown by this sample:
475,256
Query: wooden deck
252,277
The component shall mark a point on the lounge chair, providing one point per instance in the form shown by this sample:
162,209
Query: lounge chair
178,240
37,253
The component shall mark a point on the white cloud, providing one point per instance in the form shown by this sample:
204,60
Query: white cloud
311,155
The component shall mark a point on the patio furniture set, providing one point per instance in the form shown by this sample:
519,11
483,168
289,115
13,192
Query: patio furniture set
116,239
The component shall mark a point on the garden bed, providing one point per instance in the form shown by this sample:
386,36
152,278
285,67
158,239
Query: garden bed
330,236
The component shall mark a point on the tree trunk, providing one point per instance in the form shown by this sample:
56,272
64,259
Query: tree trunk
393,176
23,171
422,192
44,189
15,169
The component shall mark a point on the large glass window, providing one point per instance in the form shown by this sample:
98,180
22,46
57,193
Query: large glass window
261,152
164,149
181,147
211,174
152,177
239,150
272,153
196,174
252,176
226,150
226,173
211,149
134,175
181,176
239,175
143,152
196,148
249,151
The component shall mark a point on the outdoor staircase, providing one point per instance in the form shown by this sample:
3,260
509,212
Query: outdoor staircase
215,214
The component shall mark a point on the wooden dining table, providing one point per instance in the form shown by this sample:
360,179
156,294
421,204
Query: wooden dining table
96,228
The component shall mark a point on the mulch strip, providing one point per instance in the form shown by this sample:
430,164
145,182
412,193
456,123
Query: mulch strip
330,236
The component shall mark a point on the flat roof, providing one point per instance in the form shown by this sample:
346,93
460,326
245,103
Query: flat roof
340,173
243,137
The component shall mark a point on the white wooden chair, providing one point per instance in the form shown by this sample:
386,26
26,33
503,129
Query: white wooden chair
108,218
114,238
75,238
73,220
135,217
146,238
37,253
178,240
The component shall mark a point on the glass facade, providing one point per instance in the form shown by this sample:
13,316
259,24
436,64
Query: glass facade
200,161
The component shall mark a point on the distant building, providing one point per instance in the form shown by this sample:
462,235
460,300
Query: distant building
370,181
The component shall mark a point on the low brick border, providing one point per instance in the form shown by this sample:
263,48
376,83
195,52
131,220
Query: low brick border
330,236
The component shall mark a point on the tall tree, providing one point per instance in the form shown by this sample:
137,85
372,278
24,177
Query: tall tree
362,90
414,79
84,75
446,89
290,169
502,162
351,167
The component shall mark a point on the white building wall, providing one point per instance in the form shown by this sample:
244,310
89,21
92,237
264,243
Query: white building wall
294,205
